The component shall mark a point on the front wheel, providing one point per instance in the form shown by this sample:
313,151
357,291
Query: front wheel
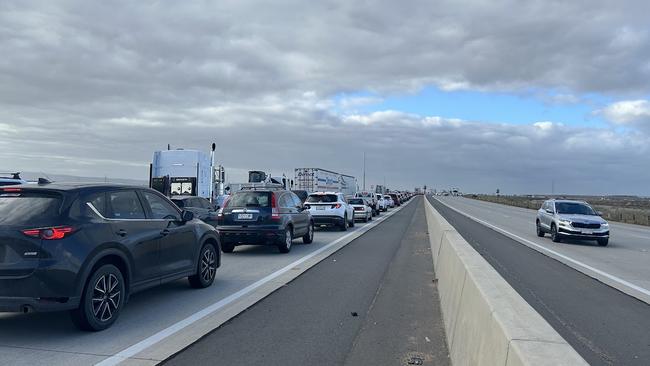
603,242
540,232
287,240
101,301
206,268
555,236
309,237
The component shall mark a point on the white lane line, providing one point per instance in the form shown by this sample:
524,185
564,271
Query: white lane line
174,328
582,267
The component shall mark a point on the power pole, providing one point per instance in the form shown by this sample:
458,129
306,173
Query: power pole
364,171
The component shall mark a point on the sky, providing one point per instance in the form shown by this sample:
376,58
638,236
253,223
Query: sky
524,97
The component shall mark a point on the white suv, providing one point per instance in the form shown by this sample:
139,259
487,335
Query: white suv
382,205
330,208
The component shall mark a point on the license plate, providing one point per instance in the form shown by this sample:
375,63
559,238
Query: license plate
244,216
588,232
320,207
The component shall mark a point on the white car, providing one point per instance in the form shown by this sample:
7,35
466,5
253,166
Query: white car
382,205
390,201
330,208
362,211
372,200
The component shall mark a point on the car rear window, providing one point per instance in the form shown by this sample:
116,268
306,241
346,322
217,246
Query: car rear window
356,201
250,199
324,198
29,208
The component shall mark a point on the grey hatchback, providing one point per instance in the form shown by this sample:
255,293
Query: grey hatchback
571,219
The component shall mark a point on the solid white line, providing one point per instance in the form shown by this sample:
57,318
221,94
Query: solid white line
174,328
581,266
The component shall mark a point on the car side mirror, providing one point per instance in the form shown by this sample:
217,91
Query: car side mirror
549,211
599,213
187,216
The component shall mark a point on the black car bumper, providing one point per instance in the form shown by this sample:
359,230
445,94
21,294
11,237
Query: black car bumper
250,236
29,304
328,220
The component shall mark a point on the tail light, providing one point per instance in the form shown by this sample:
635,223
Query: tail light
11,189
338,205
275,214
307,207
220,211
50,233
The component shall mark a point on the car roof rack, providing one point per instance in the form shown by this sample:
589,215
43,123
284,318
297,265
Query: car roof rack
262,187
15,175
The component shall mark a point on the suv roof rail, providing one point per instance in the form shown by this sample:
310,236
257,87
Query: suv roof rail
262,186
14,175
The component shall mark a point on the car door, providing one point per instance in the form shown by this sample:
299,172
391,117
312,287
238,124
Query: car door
135,233
345,204
178,245
546,217
301,216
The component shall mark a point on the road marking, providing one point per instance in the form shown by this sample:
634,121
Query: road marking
176,327
628,287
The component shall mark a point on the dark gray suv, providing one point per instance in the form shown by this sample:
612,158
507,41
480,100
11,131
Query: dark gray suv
87,248
264,216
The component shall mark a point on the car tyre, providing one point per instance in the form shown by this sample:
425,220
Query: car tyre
555,236
344,224
540,231
309,237
287,240
370,218
227,247
101,301
352,223
206,268
603,242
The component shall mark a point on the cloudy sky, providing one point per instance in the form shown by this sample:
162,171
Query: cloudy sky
475,94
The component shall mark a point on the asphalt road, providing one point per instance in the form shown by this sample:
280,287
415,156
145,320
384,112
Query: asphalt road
51,339
371,303
626,258
606,326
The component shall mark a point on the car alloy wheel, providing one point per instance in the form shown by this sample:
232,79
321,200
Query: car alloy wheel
208,265
106,297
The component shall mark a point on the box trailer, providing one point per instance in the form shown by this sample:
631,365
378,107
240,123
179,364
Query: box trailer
321,180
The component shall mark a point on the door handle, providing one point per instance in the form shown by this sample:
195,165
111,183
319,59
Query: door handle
165,232
121,232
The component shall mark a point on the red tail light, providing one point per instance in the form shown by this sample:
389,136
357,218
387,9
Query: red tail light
275,214
11,189
338,205
50,233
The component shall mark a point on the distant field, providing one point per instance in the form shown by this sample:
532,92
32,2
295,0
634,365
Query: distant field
627,209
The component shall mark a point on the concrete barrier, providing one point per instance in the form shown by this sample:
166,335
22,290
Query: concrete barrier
486,321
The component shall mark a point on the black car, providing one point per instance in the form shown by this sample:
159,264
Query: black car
87,248
201,208
264,216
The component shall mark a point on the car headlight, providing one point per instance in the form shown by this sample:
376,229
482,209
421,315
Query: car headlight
565,222
604,224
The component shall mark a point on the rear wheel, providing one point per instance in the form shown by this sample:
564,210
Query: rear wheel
344,224
603,242
309,237
540,231
101,301
287,240
206,268
352,221
555,236
370,218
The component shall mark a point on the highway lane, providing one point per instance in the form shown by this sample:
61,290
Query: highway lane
626,258
606,326
51,339
371,303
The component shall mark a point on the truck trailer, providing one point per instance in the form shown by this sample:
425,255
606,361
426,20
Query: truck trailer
181,172
321,180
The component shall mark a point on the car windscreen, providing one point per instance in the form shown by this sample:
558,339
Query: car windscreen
26,208
250,199
322,198
572,208
179,203
356,201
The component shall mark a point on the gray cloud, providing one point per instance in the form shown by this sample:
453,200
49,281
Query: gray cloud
93,88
